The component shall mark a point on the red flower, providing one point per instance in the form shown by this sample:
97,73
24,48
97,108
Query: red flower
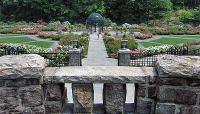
18,27
136,51
33,31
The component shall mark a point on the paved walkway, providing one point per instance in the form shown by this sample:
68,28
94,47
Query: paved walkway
97,55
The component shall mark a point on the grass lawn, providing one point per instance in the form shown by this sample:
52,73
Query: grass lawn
11,38
15,39
173,41
41,44
9,35
149,44
189,37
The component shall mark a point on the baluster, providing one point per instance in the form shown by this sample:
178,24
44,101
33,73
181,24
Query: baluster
83,97
114,97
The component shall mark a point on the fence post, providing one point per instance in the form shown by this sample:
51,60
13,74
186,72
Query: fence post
124,57
75,57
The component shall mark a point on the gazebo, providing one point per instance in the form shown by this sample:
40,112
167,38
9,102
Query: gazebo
95,20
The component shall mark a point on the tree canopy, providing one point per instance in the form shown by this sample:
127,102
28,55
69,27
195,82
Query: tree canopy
119,11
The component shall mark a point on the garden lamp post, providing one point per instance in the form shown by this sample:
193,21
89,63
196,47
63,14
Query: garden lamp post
74,44
123,44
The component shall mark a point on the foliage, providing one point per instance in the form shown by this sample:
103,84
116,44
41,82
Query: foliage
65,40
29,48
157,49
185,15
113,44
197,14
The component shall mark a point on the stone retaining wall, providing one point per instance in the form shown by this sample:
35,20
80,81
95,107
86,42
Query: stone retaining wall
26,86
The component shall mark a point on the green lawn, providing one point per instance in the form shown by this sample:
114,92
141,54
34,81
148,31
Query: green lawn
15,40
23,40
173,41
41,44
189,37
9,35
149,44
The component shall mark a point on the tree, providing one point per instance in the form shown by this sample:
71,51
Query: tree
160,8
185,15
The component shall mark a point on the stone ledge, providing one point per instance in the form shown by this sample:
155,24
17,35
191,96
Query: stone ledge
178,66
99,74
21,66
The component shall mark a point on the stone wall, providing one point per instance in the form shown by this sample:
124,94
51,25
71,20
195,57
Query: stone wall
26,86
178,86
20,84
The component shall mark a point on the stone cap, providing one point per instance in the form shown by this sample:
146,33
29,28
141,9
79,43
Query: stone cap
124,51
99,74
178,66
75,50
21,66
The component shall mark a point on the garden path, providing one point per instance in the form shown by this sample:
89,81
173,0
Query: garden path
97,55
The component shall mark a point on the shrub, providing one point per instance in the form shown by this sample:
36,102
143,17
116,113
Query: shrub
185,15
45,35
113,44
32,31
6,30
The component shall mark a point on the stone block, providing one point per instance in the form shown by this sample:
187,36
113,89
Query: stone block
144,106
7,107
18,66
22,82
21,110
8,92
13,101
148,91
178,66
54,92
2,83
151,91
173,81
83,97
53,107
140,90
31,96
189,110
114,97
193,82
165,108
38,110
177,95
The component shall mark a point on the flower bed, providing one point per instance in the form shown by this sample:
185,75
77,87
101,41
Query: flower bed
113,44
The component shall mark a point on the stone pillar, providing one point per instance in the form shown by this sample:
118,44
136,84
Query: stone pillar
179,85
83,96
54,98
123,60
21,84
114,97
124,57
75,57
